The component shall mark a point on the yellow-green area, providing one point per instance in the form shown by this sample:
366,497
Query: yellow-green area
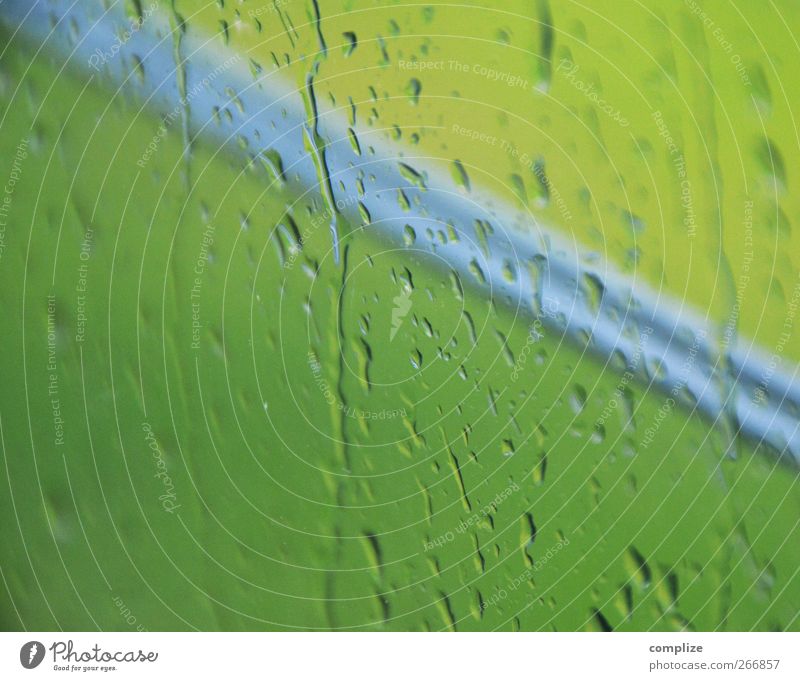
583,95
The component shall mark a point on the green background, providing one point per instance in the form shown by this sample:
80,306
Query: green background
299,512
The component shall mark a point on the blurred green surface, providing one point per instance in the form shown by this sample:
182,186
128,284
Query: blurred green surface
293,507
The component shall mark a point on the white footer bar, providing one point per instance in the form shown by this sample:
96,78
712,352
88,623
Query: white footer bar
350,656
